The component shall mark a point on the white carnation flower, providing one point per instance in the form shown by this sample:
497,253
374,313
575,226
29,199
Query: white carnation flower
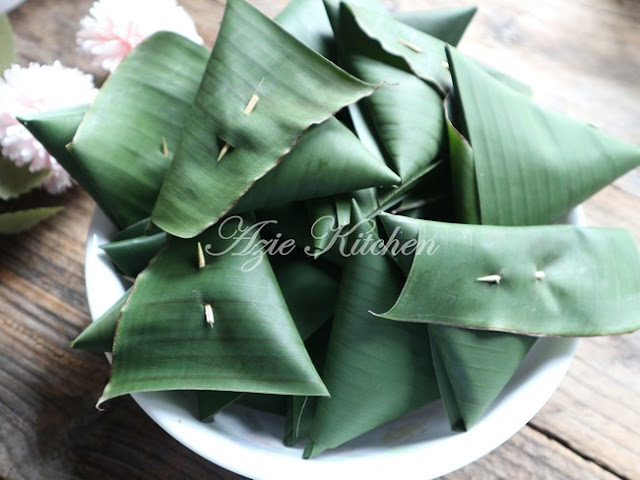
115,27
38,88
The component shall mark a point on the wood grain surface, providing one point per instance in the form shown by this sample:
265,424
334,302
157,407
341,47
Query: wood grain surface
581,56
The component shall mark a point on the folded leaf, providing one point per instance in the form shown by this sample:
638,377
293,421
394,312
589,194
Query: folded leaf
310,291
422,54
472,366
463,173
446,24
398,375
133,255
98,336
254,60
55,130
124,142
550,280
163,341
532,165
329,159
308,22
405,112
16,222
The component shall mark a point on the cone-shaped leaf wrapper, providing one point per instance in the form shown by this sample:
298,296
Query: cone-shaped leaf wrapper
310,291
261,90
472,366
446,24
386,363
329,159
98,336
532,165
550,280
55,130
405,111
163,341
125,140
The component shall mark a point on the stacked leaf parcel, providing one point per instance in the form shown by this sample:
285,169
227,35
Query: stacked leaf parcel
340,114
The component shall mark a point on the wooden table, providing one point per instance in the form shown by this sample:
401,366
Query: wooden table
580,55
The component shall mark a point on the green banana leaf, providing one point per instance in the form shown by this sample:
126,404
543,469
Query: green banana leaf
446,24
561,280
163,342
14,180
253,59
308,22
422,54
532,166
301,410
55,130
399,372
463,174
405,112
133,255
329,159
310,291
7,50
472,367
16,222
98,336
120,144
138,229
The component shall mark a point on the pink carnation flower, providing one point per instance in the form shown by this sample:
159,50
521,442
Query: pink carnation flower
38,88
115,27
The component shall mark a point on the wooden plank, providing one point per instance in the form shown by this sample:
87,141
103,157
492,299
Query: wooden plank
581,58
531,455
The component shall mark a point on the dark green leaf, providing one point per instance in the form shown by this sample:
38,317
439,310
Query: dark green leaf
446,24
386,363
252,56
164,343
133,255
141,108
532,166
554,280
98,336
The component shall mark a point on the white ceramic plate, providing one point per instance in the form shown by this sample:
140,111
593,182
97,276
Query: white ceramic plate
418,446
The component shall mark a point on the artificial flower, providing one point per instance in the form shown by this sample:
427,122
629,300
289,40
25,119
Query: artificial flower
114,27
33,89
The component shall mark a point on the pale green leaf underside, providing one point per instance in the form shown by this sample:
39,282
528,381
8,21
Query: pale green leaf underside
590,281
16,222
7,51
14,180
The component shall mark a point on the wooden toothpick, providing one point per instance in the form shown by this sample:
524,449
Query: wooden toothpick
410,45
201,262
490,279
223,151
254,100
165,147
208,315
